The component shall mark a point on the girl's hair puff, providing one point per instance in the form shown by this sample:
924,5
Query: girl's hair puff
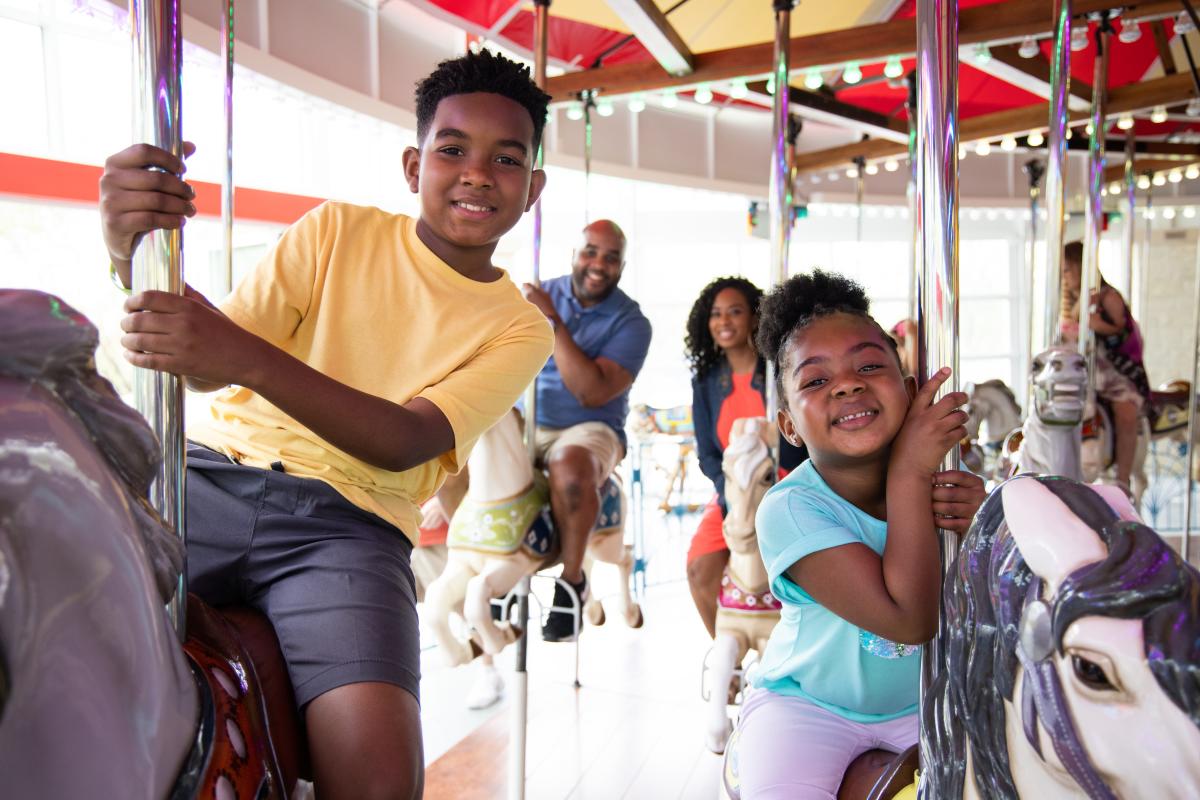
802,299
702,352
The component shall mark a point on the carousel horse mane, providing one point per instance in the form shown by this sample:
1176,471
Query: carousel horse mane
987,608
46,342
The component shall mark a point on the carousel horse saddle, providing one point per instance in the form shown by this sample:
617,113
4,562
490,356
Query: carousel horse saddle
524,522
250,737
1170,409
740,600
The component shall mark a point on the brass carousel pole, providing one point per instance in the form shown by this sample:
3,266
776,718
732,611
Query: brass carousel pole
1056,162
158,262
937,201
227,177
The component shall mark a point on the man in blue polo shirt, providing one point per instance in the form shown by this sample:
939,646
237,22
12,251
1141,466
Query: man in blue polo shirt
600,342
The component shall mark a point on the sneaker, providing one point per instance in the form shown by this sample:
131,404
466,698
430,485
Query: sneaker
560,625
487,690
503,614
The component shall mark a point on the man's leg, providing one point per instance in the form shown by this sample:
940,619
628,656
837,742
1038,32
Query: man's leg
574,502
365,740
1125,423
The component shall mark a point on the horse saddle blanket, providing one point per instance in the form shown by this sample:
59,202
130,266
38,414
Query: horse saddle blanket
503,526
743,601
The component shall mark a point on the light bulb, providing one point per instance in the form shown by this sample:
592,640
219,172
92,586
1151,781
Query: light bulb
669,100
1168,213
891,165
703,95
962,152
1143,182
1035,139
1183,24
1148,213
1125,122
1090,129
893,68
1079,37
852,74
737,90
1159,114
872,169
982,55
1070,134
771,85
1193,107
1114,188
852,172
1192,172
1159,179
1029,47
1008,143
833,176
1130,31
813,80
605,108
1189,212
1175,176
637,104
983,148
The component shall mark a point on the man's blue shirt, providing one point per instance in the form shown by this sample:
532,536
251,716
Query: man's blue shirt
614,329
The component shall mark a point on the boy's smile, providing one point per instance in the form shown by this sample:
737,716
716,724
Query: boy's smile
846,397
474,173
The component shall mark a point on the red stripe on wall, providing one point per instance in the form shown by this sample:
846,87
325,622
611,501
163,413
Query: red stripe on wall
44,179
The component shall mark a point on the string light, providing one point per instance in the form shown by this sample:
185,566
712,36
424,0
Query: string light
1175,176
983,148
1192,172
1158,115
1008,143
771,85
852,74
1035,139
1029,47
1183,24
637,104
891,165
1130,31
1189,212
1193,107
1114,188
982,55
1159,179
669,100
1143,182
1168,213
575,112
962,152
852,172
737,90
893,68
703,95
1125,122
1079,38
605,108
872,169
813,80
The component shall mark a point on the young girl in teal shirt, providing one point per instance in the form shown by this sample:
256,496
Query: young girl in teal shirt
849,541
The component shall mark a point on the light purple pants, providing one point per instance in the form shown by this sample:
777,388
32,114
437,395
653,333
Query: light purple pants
790,748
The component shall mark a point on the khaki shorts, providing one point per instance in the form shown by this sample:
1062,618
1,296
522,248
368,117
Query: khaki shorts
595,437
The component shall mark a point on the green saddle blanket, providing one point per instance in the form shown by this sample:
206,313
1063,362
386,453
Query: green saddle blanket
498,527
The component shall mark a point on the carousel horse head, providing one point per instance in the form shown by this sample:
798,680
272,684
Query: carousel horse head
747,465
1060,381
991,404
85,568
1071,659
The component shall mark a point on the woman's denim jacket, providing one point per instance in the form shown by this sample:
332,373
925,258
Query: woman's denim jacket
708,393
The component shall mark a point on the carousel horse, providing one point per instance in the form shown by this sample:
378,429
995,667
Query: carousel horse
746,609
503,531
1070,659
97,697
1050,437
993,413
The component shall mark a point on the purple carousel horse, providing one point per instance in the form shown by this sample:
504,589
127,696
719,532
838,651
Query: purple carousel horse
97,697
1070,658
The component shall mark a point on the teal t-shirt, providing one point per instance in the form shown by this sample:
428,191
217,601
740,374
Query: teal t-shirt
813,653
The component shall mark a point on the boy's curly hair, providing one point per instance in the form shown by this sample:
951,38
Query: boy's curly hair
484,71
702,351
800,300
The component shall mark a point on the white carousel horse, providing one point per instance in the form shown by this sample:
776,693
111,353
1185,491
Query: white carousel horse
1070,666
501,532
746,609
993,413
97,698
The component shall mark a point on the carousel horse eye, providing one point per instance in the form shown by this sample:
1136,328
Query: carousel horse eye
1092,674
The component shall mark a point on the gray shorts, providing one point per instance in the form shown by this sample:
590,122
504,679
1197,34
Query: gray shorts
333,579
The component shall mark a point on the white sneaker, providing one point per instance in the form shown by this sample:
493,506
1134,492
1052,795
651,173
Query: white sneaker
487,691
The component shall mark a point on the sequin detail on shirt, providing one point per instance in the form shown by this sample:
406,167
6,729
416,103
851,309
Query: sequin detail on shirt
885,648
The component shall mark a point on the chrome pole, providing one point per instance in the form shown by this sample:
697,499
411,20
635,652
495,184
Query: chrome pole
780,194
158,262
520,684
1034,170
1056,163
937,282
913,256
1191,427
1089,274
1130,210
227,178
860,165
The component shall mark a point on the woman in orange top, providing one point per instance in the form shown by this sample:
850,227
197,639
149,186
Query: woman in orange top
728,380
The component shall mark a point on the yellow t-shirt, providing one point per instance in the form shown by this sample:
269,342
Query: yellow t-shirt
353,293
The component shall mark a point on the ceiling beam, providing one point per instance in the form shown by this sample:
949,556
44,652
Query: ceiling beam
1033,74
1131,99
999,22
1163,44
656,34
1143,165
822,107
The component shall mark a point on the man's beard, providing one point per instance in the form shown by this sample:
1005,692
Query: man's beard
577,284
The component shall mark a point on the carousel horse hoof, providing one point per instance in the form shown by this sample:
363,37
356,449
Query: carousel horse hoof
715,740
634,617
487,691
595,613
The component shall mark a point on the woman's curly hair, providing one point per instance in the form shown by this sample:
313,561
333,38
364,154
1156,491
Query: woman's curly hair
800,300
702,351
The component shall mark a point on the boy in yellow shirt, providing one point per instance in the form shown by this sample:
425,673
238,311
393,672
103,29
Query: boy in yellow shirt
358,364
